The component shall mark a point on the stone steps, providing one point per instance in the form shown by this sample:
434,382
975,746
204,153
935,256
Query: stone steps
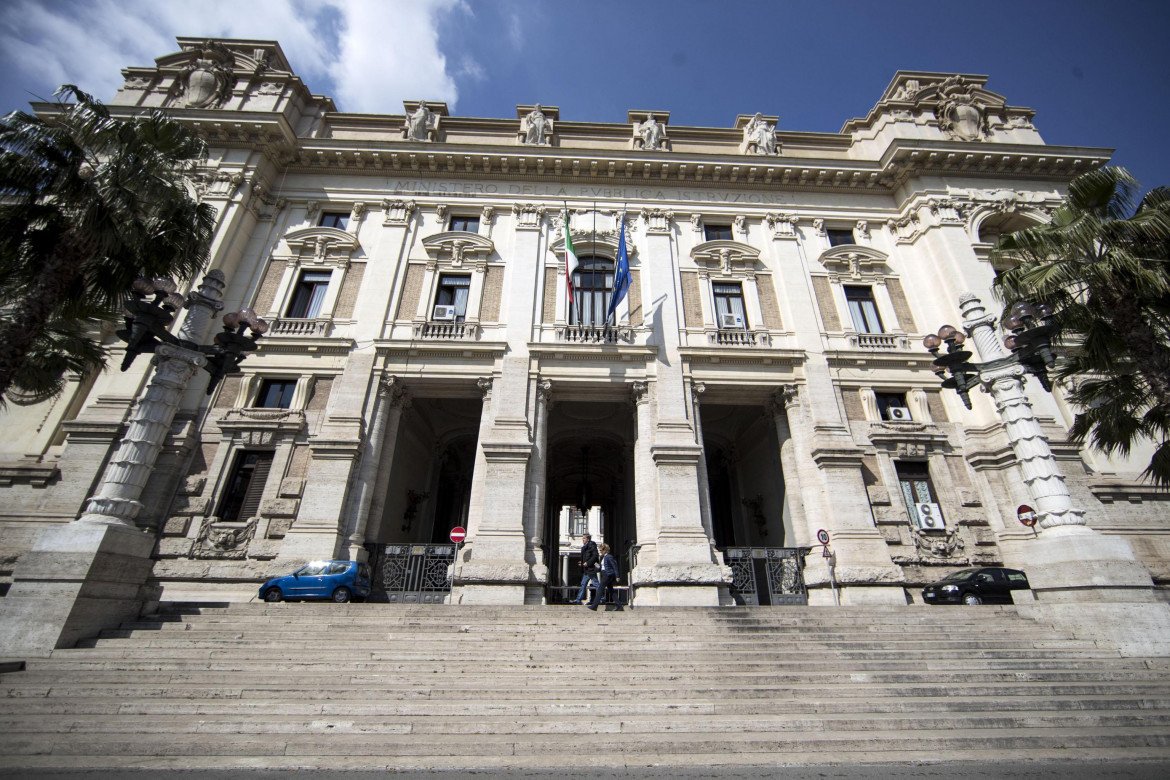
409,686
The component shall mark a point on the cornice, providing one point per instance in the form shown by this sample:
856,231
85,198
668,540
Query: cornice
743,356
606,353
462,350
897,359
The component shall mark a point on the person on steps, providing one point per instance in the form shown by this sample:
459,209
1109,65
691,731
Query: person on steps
590,564
609,575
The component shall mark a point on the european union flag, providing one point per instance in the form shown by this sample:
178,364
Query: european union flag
621,276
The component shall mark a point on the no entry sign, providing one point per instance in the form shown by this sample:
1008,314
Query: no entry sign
1026,514
458,534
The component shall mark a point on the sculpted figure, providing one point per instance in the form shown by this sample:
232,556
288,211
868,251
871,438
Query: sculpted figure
418,124
651,132
536,127
759,135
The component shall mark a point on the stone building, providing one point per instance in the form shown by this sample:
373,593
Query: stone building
763,378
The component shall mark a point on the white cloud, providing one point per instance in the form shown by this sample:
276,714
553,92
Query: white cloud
369,55
389,52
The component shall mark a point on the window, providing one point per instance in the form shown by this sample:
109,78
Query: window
241,500
892,406
578,522
465,224
840,237
914,479
275,393
863,309
717,232
729,311
309,295
592,287
335,219
453,292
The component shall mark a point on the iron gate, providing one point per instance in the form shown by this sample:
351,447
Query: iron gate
415,573
763,576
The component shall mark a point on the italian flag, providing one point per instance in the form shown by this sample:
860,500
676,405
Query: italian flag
570,260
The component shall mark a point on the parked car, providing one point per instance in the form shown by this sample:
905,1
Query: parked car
339,581
989,585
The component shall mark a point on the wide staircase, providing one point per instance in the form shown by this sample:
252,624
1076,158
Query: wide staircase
376,686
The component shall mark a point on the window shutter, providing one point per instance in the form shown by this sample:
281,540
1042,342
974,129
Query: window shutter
251,504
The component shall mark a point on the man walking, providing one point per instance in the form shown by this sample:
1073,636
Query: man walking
590,565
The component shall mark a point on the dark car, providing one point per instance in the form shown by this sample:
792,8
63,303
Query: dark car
338,581
989,585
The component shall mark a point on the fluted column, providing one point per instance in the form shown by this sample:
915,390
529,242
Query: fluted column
116,500
1004,381
537,484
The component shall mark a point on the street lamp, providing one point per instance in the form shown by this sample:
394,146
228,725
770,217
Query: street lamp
1006,363
1029,342
151,309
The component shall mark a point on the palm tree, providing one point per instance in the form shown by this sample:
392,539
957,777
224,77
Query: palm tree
88,203
1103,264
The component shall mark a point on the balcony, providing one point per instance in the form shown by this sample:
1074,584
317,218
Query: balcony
878,341
591,334
446,331
304,328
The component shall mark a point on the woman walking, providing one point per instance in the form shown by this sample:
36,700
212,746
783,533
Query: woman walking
609,575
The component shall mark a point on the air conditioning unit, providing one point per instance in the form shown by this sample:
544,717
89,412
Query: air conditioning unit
730,321
930,517
900,413
444,313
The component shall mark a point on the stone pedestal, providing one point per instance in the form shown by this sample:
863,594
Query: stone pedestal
76,580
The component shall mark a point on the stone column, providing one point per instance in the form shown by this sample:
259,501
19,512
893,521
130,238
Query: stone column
1082,580
644,515
536,491
391,398
697,390
793,490
80,578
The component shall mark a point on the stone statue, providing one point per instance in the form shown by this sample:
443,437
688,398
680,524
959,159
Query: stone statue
420,123
650,132
759,136
536,127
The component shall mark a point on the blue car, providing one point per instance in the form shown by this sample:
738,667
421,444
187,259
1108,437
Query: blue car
338,581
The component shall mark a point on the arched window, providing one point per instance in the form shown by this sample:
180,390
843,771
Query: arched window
592,287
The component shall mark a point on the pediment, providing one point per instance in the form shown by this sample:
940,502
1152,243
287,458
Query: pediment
726,256
322,243
855,261
602,243
455,246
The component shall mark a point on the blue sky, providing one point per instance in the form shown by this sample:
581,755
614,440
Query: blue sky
1096,72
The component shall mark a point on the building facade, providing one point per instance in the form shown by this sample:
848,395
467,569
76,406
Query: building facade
762,379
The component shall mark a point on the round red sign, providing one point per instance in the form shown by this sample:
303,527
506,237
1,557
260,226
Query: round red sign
1026,514
823,536
458,534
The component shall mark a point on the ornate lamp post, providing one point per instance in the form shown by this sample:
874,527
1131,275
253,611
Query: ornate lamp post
149,311
1027,350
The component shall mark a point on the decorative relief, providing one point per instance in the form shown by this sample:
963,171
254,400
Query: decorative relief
782,225
657,220
454,248
937,545
639,392
861,229
397,212
529,216
959,114
945,210
321,246
207,81
819,227
223,540
739,222
905,229
697,223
